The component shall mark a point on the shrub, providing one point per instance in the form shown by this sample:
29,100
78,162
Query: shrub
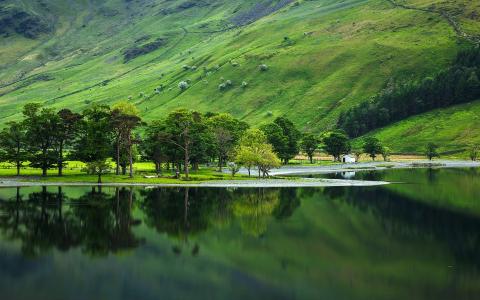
263,67
229,83
193,68
183,85
235,64
186,67
142,94
269,113
244,84
222,86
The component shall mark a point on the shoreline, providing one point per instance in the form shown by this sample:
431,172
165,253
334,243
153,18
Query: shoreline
10,182
261,183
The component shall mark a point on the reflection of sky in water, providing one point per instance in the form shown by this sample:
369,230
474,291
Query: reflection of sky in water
393,242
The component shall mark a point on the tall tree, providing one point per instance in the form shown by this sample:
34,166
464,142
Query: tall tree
181,126
372,147
227,131
41,126
284,137
309,145
124,120
336,143
93,146
66,130
154,147
12,144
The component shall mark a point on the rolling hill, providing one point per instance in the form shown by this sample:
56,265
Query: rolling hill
320,57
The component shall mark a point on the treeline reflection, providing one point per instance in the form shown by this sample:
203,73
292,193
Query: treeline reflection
100,222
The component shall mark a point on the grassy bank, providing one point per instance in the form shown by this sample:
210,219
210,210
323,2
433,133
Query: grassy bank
143,172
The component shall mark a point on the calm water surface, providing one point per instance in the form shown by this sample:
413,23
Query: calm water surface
418,239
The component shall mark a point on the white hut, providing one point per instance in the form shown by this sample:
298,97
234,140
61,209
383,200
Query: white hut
348,159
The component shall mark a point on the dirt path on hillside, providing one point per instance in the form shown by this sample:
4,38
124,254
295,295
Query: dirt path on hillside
445,15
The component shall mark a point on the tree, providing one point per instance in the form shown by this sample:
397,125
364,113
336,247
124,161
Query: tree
284,137
309,145
181,127
93,146
66,130
41,125
227,132
336,143
154,146
431,151
12,144
254,150
372,147
474,150
358,154
386,153
124,120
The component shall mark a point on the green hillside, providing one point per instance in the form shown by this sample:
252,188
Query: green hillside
454,129
323,56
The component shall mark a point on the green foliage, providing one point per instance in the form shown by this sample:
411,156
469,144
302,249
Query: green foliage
254,150
336,143
372,147
284,137
431,151
474,151
93,146
41,125
309,145
454,85
227,132
12,145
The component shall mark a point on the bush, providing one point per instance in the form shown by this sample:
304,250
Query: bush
183,85
142,94
186,67
235,64
244,84
229,83
263,67
222,86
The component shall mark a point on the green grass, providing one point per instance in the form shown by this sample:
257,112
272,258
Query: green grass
454,129
73,174
353,48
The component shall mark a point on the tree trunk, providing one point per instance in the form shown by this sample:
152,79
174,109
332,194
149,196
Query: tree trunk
60,160
249,169
19,164
187,159
117,154
220,163
99,178
130,158
311,159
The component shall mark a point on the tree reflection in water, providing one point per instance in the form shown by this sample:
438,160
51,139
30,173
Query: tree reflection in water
96,222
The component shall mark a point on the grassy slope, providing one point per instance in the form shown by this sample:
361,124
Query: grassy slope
453,129
354,48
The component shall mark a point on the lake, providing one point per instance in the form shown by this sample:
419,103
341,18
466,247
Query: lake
416,239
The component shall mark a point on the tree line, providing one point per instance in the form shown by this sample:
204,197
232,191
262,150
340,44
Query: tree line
184,139
457,84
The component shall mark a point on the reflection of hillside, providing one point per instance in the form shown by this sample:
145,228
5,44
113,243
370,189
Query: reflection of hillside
407,218
96,222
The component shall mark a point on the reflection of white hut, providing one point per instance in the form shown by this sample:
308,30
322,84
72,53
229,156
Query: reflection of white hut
348,159
348,175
